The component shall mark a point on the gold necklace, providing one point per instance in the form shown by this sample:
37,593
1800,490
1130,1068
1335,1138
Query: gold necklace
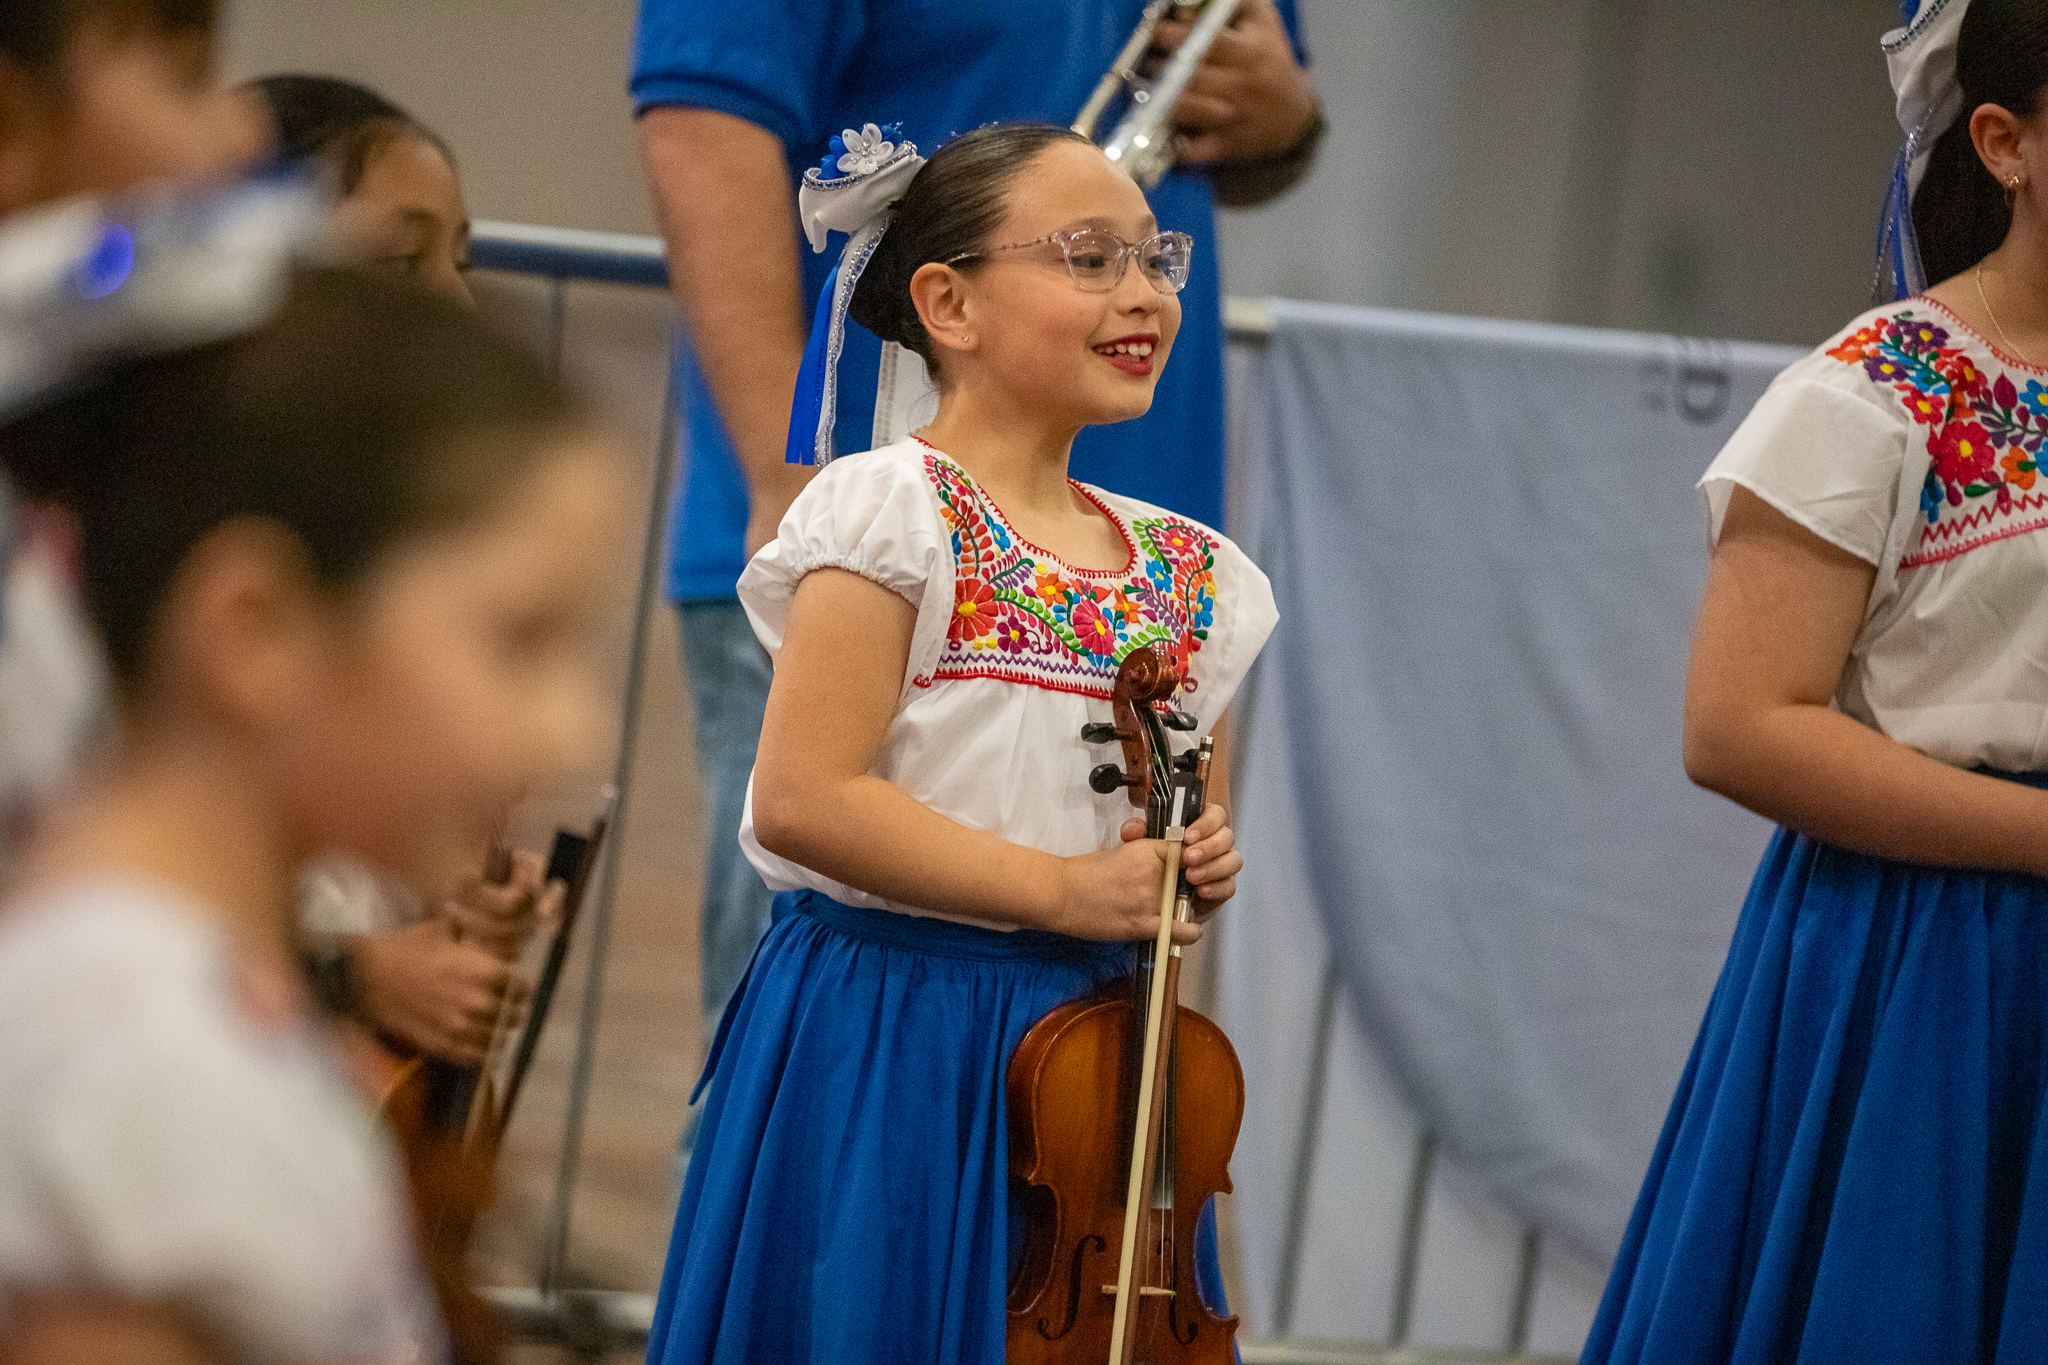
1989,312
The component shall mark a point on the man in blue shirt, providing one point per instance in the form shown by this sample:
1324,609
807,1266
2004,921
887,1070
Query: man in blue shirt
734,100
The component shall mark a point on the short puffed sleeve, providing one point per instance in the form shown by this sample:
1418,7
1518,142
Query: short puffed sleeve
872,514
1825,446
1245,617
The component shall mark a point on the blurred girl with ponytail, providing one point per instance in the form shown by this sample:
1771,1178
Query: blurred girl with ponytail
342,545
1856,1163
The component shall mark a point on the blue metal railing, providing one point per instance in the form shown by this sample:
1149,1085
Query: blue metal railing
568,254
565,254
590,1323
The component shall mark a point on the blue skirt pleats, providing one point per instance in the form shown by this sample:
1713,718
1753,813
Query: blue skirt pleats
1855,1166
848,1200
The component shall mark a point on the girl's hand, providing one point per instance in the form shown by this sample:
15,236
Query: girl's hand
1115,894
501,918
1210,858
441,996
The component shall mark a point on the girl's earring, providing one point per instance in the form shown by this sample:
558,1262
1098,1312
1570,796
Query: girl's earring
2012,188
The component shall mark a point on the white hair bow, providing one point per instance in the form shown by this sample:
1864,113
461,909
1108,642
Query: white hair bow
865,171
1921,56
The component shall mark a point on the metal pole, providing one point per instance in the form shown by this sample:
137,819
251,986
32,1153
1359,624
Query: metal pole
1525,1291
557,1255
1305,1156
558,323
1410,1270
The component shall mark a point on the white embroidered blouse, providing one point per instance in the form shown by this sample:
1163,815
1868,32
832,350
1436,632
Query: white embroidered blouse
162,1142
1013,650
1910,443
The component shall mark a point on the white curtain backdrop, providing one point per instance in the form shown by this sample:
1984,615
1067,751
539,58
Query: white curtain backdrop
1461,795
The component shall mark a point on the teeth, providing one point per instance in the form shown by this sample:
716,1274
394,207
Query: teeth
1136,348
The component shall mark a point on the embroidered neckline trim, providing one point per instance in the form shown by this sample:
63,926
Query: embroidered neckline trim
1967,330
1130,564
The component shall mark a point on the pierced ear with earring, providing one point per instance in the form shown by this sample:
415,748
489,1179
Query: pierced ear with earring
2012,188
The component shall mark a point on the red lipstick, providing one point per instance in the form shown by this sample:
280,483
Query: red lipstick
1132,354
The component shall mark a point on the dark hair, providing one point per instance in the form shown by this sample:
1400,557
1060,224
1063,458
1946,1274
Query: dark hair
364,413
337,122
952,204
34,34
1960,212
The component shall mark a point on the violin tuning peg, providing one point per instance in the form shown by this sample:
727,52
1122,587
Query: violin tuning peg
1099,732
1179,720
1185,763
1108,778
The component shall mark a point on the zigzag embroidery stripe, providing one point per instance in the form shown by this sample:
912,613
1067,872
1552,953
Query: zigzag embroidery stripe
1097,690
1923,557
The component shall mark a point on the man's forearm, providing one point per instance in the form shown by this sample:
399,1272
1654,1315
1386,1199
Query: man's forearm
721,192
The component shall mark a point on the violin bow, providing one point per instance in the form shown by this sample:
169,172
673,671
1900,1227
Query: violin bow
497,872
1174,792
572,860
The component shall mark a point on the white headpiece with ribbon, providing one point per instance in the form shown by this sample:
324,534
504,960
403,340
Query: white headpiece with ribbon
87,282
865,172
1921,57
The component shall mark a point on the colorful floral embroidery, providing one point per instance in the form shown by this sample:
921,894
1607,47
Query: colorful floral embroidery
1984,435
1022,616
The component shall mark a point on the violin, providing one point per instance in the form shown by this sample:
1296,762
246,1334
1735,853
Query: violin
1124,1105
450,1118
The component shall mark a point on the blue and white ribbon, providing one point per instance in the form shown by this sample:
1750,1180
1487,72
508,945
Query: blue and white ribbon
1900,274
1921,58
850,192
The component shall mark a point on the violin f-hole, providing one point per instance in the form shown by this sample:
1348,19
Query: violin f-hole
1074,1282
1173,1313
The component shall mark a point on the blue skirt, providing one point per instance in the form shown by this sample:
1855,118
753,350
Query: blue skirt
849,1199
1855,1167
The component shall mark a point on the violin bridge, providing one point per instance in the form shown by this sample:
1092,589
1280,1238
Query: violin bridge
1145,1291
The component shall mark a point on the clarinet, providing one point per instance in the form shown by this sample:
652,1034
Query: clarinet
1143,141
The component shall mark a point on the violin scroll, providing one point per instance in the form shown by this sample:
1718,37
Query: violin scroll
1146,676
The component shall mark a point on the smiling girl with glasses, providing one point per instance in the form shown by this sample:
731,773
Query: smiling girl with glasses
946,614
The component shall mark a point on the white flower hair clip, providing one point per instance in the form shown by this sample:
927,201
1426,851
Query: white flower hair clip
849,191
863,152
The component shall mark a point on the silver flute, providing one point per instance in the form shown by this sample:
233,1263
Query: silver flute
1143,141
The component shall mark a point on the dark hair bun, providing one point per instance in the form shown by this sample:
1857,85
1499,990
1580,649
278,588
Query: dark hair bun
952,204
1960,213
881,300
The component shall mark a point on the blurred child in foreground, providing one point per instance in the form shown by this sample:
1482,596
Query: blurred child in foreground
97,97
341,565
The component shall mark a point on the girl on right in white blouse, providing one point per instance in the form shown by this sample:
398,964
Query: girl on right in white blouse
1855,1166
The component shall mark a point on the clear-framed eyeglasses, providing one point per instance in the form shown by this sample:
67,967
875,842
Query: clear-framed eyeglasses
1096,257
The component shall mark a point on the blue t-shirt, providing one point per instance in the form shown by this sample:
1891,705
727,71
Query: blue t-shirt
805,69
